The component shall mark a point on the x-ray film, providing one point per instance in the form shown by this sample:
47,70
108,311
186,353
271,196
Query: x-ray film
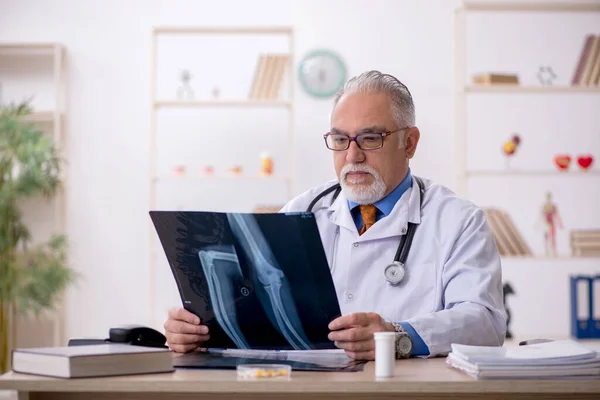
258,281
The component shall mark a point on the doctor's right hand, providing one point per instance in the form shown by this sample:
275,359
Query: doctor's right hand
183,331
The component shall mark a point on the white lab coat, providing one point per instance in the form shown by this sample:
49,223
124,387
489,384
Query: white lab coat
452,290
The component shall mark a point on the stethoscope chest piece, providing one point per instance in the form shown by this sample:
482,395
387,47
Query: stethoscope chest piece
394,273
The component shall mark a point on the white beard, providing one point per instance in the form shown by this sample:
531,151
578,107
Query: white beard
359,192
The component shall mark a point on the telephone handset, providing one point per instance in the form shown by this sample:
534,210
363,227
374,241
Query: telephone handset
136,335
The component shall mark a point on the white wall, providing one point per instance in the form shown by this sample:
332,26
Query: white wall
108,123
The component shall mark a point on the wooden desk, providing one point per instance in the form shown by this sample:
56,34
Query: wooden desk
415,379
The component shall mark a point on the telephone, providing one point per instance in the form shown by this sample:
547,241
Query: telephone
136,335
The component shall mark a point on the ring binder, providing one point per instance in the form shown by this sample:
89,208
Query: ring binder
585,312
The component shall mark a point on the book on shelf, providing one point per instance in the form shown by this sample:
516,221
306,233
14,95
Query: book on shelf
553,359
495,78
587,70
508,239
585,242
92,360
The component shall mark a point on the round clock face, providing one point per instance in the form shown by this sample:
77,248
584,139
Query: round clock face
322,73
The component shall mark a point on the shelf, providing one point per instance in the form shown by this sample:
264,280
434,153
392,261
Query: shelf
594,172
265,30
555,6
223,103
41,116
46,49
225,177
498,88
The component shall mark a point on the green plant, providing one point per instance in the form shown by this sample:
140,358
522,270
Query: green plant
31,277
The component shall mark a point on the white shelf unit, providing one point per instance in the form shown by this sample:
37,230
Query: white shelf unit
51,119
160,103
539,278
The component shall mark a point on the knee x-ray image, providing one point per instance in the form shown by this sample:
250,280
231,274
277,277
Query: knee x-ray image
258,281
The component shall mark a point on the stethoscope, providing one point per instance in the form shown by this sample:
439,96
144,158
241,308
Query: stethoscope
394,272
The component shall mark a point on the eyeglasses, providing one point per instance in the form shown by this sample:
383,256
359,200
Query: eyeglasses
364,141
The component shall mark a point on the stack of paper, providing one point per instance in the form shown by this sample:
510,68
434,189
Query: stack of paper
558,359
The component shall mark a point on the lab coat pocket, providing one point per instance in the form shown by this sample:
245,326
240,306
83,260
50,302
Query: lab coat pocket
417,294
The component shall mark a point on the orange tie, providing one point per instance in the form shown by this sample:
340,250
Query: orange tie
368,215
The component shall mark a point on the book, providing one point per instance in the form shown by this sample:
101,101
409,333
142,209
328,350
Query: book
495,78
543,360
92,360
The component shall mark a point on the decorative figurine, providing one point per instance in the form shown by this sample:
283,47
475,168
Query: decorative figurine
208,170
236,170
552,221
266,163
179,170
585,161
507,290
185,90
546,75
510,147
562,161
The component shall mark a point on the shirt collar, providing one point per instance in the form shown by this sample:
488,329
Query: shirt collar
386,205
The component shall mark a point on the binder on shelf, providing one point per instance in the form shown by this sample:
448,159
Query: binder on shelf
585,311
595,328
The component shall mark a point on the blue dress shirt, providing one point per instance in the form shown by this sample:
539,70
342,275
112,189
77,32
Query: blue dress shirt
384,208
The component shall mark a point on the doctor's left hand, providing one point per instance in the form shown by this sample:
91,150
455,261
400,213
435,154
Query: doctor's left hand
354,333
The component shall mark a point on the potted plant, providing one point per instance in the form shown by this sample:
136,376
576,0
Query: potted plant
31,277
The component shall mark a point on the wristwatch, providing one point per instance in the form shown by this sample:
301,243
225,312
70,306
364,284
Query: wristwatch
404,344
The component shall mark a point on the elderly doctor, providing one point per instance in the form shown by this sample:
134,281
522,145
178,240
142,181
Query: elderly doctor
449,289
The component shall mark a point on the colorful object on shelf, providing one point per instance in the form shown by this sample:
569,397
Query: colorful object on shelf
236,170
510,146
179,170
546,75
562,161
552,222
266,164
585,161
208,170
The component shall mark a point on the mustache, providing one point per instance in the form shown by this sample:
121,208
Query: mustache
356,168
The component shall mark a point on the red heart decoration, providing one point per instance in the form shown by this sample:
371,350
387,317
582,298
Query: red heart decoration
562,161
585,160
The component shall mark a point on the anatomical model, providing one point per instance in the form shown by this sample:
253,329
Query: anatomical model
552,220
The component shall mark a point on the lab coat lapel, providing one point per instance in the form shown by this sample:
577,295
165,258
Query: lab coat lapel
340,213
407,209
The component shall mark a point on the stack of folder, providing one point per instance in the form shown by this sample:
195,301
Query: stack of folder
564,359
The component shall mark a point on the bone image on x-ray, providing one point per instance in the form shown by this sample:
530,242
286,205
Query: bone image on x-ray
279,305
220,285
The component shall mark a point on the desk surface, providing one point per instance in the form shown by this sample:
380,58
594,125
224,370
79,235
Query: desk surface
411,376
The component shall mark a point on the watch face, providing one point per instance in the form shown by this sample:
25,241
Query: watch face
404,345
322,73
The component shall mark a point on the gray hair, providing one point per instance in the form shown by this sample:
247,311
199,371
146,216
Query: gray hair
403,107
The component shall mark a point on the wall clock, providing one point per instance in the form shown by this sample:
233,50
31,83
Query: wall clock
321,73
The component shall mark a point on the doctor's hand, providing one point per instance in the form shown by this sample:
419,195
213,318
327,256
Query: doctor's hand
183,331
354,333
